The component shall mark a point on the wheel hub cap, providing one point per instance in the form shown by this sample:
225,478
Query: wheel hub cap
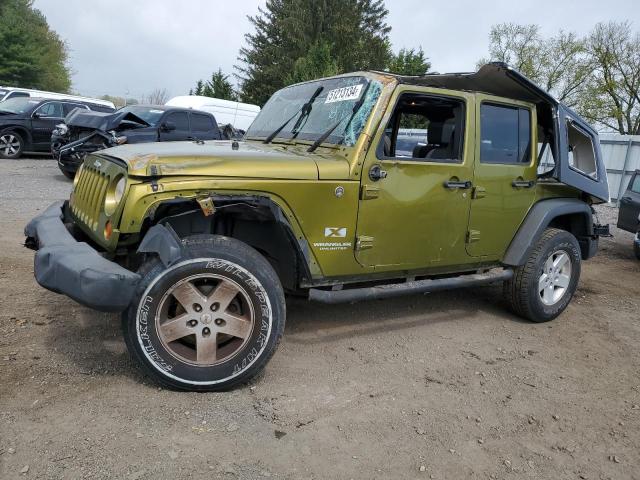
190,330
555,277
9,144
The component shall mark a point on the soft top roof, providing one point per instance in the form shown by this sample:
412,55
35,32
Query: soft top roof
493,78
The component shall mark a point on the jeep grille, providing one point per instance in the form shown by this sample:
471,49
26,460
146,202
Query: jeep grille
88,195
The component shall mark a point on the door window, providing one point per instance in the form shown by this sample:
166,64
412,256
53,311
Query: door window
635,185
50,110
180,120
505,134
425,128
201,124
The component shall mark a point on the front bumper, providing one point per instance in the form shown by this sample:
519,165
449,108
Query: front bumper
64,265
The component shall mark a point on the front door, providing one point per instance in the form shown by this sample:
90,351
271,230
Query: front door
416,182
505,174
175,127
43,120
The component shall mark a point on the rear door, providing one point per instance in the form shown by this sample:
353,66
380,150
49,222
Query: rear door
630,205
43,120
175,127
504,176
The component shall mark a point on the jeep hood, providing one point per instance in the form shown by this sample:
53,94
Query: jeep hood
219,159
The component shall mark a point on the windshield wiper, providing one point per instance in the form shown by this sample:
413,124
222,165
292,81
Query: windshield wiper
326,134
304,110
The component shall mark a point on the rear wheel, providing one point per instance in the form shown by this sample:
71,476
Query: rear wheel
542,288
636,246
211,320
11,145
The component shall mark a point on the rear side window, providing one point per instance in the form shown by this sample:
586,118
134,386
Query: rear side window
202,123
179,119
505,134
582,157
17,94
635,185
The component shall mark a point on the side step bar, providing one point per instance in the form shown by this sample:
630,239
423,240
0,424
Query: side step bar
409,288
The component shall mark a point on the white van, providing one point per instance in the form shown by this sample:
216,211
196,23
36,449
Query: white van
239,115
13,92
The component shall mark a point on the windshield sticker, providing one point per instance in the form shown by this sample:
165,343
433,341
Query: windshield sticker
343,94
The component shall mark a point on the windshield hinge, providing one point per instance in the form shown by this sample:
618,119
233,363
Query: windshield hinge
364,242
369,192
473,236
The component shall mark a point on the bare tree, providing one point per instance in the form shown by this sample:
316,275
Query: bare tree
559,64
612,96
159,96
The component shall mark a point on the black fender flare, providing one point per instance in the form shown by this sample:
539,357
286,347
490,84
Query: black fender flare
539,217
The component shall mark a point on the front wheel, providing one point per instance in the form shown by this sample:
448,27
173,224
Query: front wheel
11,145
636,246
211,320
542,288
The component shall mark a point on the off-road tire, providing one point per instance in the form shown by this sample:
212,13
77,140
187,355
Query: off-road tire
10,137
236,263
522,291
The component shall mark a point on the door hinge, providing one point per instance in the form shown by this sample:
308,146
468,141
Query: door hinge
364,243
478,192
369,192
473,236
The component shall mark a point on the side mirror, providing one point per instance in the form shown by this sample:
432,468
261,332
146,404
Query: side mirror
36,115
168,126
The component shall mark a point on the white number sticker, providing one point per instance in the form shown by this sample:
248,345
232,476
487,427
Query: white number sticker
345,93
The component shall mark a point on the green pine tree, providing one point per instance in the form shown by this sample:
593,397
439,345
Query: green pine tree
354,32
409,62
31,54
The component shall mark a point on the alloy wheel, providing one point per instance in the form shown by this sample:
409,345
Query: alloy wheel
9,144
555,278
205,319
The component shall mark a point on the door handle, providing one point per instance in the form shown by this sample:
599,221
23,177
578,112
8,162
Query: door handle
523,183
464,184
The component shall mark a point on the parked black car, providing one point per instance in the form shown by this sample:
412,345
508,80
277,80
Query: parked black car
26,123
85,132
629,213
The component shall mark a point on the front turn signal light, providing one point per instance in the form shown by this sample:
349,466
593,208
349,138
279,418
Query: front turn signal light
108,230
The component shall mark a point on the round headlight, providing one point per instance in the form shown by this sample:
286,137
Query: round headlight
114,195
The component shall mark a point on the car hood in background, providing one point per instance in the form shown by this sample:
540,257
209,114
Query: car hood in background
101,121
219,159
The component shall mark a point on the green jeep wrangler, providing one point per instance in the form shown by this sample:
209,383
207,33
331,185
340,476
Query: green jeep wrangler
355,187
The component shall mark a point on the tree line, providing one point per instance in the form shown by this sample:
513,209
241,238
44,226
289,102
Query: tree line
597,74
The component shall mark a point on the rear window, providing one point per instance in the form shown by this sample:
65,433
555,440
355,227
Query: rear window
201,123
582,156
505,134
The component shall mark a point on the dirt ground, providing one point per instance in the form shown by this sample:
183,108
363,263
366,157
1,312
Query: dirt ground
446,385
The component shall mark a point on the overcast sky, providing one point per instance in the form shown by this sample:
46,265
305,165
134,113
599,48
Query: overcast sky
130,47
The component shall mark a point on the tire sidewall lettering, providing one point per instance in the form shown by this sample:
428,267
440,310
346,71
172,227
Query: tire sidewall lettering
168,365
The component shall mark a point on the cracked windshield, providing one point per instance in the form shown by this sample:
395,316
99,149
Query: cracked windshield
309,110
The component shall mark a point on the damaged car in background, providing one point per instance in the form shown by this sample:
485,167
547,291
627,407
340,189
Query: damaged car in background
85,132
